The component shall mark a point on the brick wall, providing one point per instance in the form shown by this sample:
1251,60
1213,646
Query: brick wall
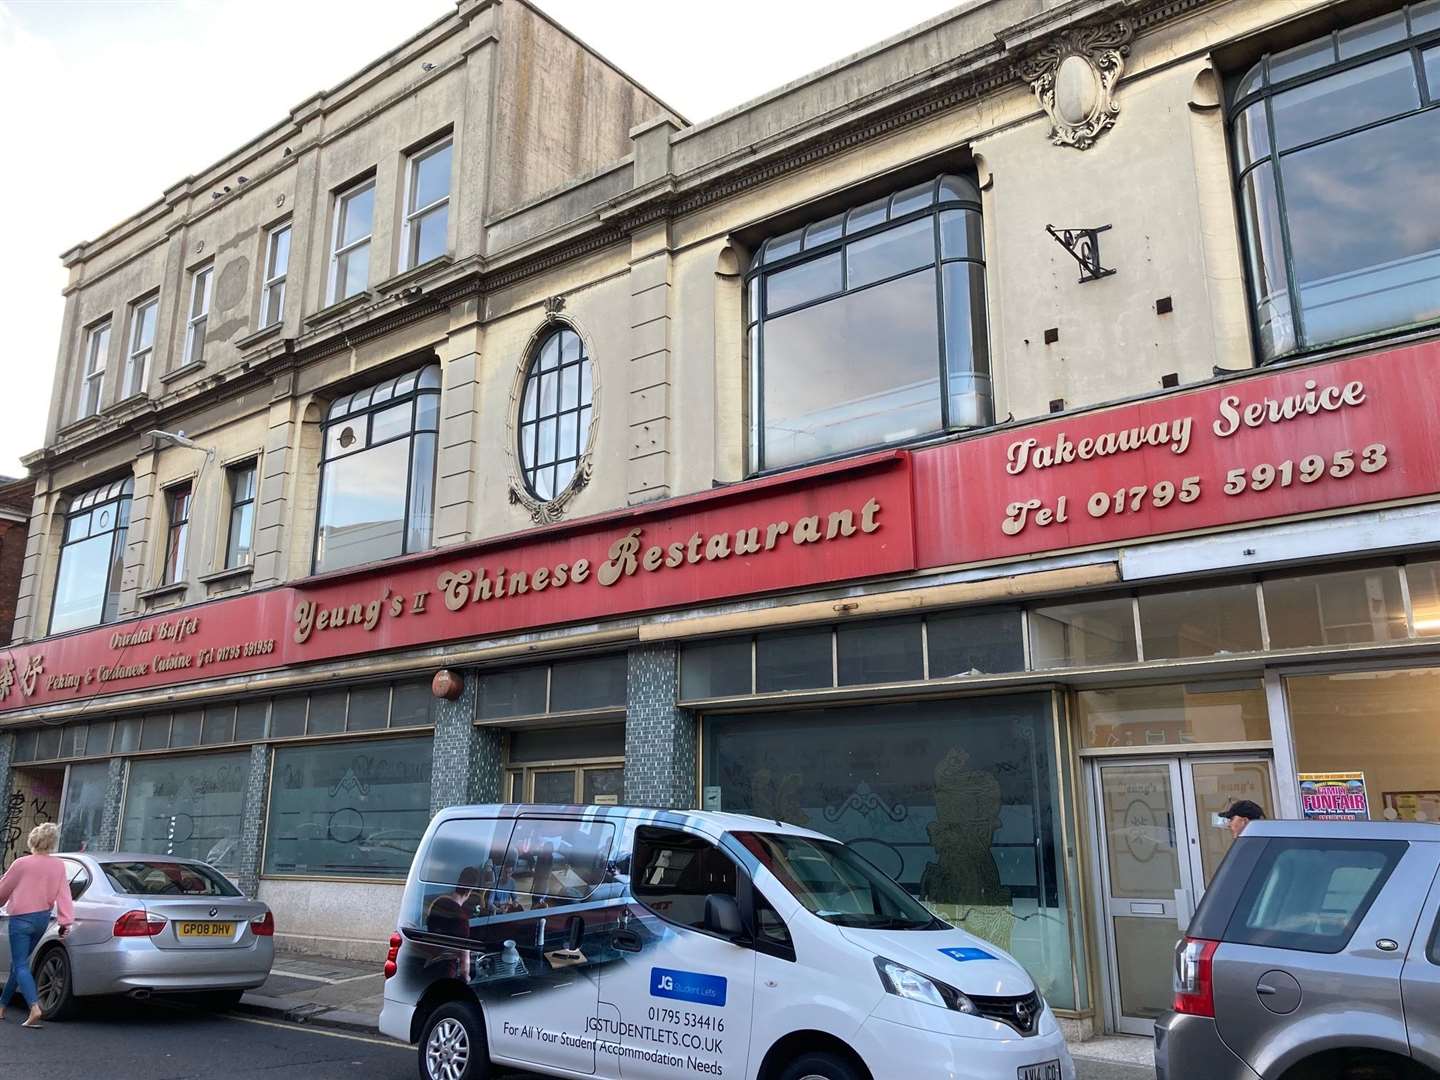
16,496
110,819
660,739
252,819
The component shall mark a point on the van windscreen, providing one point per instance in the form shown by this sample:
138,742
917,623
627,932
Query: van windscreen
838,884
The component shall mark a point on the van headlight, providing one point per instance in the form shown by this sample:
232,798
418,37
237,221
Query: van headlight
908,983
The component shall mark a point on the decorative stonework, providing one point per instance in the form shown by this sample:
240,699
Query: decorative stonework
1074,77
550,511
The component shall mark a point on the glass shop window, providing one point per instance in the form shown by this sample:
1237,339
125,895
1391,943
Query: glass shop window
348,809
189,807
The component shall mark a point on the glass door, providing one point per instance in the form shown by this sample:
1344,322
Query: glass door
1161,842
598,784
1146,873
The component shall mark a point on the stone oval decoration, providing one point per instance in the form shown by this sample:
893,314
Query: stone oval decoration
1077,90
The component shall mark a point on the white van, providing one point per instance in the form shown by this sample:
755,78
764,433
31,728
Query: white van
633,944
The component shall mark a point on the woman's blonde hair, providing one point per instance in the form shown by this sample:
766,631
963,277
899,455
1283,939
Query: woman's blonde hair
43,837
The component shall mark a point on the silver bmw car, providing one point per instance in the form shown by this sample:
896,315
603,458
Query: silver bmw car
150,924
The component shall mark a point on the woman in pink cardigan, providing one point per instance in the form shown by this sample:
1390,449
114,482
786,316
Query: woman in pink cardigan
30,888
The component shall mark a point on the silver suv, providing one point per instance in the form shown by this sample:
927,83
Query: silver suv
1314,954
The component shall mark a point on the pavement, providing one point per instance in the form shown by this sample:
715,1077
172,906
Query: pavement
345,996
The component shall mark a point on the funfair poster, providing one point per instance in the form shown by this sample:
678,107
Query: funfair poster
1334,796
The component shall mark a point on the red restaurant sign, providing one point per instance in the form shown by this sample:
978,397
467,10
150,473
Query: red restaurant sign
827,524
1295,441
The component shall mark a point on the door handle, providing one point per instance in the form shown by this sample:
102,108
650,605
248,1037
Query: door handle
626,941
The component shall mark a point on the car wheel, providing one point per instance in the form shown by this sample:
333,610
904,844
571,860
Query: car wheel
820,1066
452,1046
53,988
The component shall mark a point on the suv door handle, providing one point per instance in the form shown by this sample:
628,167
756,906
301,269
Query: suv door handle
626,941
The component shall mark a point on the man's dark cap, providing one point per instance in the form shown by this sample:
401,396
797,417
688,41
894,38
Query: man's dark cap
1244,808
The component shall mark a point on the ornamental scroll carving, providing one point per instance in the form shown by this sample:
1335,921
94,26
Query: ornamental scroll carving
1074,76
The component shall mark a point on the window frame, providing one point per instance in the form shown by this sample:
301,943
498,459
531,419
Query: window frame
758,313
251,465
1264,93
343,196
179,505
409,234
744,898
202,281
137,354
366,415
122,496
92,378
271,281
531,376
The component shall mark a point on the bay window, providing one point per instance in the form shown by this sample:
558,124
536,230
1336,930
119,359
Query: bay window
1334,144
377,484
868,327
92,555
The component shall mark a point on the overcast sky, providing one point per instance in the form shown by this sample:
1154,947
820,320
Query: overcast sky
105,103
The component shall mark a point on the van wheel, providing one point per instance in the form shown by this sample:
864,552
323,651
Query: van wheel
820,1066
452,1046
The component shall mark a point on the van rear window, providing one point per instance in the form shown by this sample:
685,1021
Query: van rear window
1310,894
462,849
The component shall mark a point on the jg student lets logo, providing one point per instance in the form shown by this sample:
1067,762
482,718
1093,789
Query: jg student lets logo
689,986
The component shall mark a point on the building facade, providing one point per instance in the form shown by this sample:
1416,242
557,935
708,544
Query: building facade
1002,449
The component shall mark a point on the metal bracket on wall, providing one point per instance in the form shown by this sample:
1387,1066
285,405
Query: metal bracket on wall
1084,247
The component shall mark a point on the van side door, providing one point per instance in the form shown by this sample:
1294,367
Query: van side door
553,902
1420,982
1303,964
682,978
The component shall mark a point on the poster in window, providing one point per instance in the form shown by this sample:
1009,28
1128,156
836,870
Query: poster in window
1412,805
1334,796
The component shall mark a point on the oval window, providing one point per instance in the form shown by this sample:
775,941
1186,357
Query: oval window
555,411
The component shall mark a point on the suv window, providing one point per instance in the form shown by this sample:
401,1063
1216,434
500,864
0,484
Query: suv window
1310,894
674,872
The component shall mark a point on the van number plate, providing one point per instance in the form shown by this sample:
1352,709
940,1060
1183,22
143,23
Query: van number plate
1046,1070
207,930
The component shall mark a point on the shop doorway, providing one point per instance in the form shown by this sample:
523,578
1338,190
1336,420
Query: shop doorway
1160,842
33,799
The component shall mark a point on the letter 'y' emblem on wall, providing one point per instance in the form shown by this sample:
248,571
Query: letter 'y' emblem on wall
1074,77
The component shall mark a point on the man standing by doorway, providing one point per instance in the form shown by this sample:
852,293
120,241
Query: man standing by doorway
1239,815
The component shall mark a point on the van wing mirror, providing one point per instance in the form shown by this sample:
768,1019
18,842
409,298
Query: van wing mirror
722,915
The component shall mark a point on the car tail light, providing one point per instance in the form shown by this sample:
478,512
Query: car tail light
263,925
390,956
1194,982
139,924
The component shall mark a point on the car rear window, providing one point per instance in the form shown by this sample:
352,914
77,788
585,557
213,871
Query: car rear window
160,878
1310,894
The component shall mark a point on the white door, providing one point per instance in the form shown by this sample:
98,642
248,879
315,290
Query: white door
1160,845
684,993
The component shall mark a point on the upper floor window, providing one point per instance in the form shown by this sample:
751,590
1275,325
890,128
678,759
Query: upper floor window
427,205
177,537
1335,147
97,350
555,411
142,346
377,484
869,327
350,252
200,283
92,556
240,536
277,266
